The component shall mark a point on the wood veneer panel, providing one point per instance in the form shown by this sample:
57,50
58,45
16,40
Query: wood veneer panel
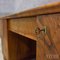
52,36
20,47
23,26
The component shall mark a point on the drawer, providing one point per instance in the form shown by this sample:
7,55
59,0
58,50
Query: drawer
23,26
49,41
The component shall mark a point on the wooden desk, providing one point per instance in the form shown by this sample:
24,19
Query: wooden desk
33,34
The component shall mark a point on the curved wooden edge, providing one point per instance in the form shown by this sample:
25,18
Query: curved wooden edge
49,8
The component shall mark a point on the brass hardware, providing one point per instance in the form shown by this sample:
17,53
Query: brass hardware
44,29
38,30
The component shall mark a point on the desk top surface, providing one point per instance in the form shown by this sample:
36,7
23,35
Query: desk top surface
49,8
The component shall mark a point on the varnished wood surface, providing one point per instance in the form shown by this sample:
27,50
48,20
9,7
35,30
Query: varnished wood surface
52,23
49,8
26,26
23,26
5,40
1,28
16,47
20,47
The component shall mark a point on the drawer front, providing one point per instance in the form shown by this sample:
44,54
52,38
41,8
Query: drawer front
23,26
49,37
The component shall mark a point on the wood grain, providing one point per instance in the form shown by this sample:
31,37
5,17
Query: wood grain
18,33
23,26
52,22
20,47
46,9
5,39
1,27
